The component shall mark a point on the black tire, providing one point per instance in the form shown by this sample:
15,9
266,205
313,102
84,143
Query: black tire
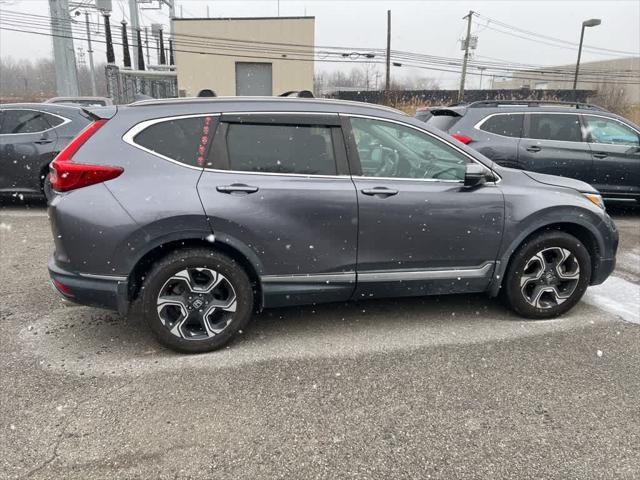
548,241
194,258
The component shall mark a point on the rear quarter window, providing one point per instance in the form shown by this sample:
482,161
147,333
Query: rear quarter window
184,140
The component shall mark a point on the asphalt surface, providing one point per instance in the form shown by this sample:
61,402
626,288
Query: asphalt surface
449,387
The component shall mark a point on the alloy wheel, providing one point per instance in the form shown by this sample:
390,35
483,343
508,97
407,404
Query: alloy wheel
196,303
550,277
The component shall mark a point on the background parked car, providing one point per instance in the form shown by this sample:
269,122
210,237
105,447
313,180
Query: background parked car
572,140
31,135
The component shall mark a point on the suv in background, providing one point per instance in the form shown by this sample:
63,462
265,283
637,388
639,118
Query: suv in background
573,140
31,135
205,209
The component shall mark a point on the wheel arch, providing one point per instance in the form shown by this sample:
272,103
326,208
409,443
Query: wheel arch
582,232
144,264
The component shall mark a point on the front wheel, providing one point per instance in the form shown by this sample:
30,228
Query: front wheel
196,300
547,276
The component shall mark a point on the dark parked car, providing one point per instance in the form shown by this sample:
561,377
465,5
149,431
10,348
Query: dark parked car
573,140
31,135
206,209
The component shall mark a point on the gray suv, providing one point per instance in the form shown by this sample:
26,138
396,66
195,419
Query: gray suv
204,210
574,140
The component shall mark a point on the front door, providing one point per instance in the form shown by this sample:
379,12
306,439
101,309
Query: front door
616,157
420,230
553,143
279,191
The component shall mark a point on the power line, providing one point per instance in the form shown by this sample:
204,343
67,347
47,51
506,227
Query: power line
554,39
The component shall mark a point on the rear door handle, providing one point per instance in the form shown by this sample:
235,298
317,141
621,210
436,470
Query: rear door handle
237,188
382,192
533,148
600,155
42,141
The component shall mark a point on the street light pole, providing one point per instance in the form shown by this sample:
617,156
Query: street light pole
587,23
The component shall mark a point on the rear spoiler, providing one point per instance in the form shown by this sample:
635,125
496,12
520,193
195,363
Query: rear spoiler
100,113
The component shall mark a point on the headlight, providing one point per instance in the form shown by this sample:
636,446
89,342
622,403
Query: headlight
595,199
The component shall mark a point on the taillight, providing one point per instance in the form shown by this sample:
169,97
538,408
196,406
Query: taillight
66,175
462,138
62,288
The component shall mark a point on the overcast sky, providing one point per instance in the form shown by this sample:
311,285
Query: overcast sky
428,27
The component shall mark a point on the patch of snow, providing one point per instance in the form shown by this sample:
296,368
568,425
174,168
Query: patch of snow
618,296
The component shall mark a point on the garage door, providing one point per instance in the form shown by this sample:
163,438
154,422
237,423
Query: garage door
253,78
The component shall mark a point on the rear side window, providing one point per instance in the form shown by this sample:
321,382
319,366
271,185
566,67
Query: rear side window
301,149
182,139
443,122
27,121
564,127
507,124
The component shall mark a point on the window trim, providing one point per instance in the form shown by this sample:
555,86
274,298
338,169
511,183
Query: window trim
588,135
65,120
479,124
353,157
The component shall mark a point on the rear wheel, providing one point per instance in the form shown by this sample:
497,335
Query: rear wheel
196,300
547,276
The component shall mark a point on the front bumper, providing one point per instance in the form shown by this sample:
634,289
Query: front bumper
108,292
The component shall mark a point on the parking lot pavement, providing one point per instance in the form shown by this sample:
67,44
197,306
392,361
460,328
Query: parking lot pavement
444,387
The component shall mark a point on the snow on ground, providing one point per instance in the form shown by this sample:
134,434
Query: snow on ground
618,296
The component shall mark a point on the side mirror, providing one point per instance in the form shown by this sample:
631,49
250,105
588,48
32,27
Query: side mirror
474,175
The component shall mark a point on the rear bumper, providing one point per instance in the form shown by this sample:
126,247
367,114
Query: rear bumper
108,292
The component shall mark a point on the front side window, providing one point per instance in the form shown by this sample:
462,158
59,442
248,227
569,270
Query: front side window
391,150
182,139
605,130
563,127
24,121
507,124
299,149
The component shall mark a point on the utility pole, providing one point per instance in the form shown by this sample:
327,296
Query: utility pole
482,69
63,51
146,42
387,81
90,51
467,43
135,24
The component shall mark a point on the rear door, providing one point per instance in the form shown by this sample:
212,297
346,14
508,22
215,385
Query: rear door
277,187
27,145
420,230
615,148
554,143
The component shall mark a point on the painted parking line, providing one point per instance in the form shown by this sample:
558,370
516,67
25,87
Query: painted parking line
617,296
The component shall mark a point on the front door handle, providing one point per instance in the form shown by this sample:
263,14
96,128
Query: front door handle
42,141
600,155
381,192
534,148
237,188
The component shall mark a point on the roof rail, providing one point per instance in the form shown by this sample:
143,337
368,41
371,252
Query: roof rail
534,103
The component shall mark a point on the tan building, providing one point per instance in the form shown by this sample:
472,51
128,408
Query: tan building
590,77
253,56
